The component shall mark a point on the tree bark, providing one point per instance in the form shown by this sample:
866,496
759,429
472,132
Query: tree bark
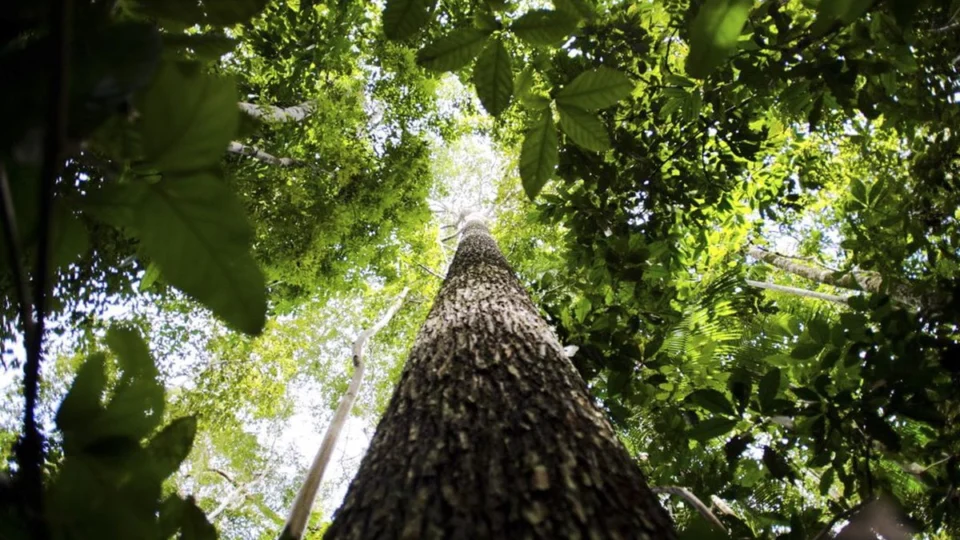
491,432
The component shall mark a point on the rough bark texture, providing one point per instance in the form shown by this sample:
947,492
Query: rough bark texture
272,113
491,432
798,292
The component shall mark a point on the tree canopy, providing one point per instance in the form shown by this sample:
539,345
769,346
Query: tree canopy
741,217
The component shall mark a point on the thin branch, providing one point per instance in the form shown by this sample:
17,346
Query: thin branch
303,504
797,291
258,154
431,272
694,501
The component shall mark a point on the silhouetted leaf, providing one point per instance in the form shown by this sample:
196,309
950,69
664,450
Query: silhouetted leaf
493,77
544,27
454,50
538,156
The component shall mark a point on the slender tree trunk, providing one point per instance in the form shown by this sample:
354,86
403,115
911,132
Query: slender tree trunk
856,280
491,432
303,504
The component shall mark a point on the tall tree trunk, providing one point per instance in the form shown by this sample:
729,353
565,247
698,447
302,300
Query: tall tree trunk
258,154
491,432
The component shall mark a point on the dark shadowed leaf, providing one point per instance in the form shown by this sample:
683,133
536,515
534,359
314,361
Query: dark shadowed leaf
776,464
880,430
403,18
538,156
170,447
188,118
454,50
768,388
544,27
83,400
196,231
711,428
583,128
595,89
714,34
493,77
712,400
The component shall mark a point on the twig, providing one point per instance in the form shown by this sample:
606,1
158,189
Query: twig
431,272
694,501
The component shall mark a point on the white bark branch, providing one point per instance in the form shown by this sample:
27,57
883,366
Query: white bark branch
694,501
258,154
272,113
303,504
797,291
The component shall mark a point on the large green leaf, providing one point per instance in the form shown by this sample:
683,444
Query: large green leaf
195,229
493,77
595,89
712,400
136,407
584,128
769,387
83,400
714,34
454,50
170,447
403,18
711,428
538,156
544,26
187,118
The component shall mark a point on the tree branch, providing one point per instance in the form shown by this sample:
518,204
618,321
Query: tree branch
258,154
272,113
303,504
797,291
694,501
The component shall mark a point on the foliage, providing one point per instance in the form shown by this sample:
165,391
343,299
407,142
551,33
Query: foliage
650,146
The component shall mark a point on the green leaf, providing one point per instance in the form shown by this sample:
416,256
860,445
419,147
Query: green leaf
403,18
736,446
712,400
595,89
150,277
493,77
776,464
819,331
170,447
453,51
195,229
83,400
187,118
714,34
584,128
711,428
544,26
769,387
806,349
538,156
131,351
881,431
195,525
586,9
826,481
806,394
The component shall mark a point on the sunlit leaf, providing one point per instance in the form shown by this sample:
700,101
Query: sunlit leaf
595,89
584,128
544,26
714,34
